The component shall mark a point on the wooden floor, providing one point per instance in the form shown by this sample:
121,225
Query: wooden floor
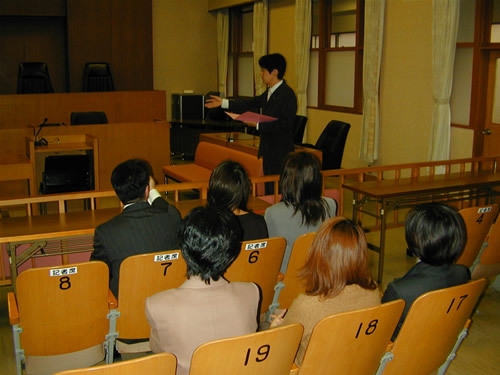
478,355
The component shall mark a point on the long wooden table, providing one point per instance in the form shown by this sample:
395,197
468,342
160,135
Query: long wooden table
390,195
246,142
62,234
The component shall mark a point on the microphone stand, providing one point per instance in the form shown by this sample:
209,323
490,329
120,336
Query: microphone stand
42,141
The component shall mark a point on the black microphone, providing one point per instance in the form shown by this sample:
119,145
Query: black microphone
42,141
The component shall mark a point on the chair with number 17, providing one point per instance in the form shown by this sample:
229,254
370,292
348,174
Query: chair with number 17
433,330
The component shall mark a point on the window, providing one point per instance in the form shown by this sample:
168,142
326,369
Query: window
335,75
240,63
478,41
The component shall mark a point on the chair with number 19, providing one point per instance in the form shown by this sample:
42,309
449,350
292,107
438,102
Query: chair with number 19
352,342
269,352
433,330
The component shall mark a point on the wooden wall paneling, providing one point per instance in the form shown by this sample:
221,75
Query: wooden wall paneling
132,44
33,7
89,37
21,111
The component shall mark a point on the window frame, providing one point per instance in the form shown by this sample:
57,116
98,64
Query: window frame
235,52
323,50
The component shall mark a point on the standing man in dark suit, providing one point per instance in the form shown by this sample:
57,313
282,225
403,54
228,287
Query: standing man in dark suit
436,234
147,224
279,101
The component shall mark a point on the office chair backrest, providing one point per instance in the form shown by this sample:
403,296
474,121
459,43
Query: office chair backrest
332,142
140,277
266,352
488,264
155,364
60,310
97,77
299,126
88,118
259,262
352,342
478,221
431,330
33,78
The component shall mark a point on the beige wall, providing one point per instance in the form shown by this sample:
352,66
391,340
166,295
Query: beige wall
406,77
184,47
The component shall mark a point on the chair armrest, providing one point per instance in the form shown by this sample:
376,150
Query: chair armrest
13,310
112,301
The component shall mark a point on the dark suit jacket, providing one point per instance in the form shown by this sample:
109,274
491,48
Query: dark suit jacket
420,279
276,138
140,228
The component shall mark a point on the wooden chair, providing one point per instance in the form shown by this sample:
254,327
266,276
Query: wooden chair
59,317
433,330
488,261
140,277
259,262
156,364
268,352
351,342
478,221
290,286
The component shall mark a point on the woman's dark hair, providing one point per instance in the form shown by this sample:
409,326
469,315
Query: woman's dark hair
273,61
209,241
229,186
130,178
301,185
435,233
338,257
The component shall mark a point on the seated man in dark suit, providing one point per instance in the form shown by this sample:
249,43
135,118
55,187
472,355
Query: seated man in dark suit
147,224
436,235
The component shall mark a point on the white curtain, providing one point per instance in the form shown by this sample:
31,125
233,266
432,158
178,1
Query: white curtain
372,56
222,49
302,51
260,21
445,14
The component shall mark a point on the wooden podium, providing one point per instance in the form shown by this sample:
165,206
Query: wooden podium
69,144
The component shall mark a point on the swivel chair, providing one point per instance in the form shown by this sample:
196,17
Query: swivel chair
97,77
88,118
33,78
332,142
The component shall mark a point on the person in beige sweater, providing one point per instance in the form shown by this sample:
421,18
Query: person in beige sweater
336,276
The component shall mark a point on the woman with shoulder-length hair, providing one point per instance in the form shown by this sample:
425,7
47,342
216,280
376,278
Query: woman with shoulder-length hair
229,187
336,278
302,208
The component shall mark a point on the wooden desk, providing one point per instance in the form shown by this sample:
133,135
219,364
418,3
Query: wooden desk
185,134
407,192
69,144
245,142
68,233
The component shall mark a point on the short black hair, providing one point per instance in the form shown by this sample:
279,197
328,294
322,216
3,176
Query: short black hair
435,233
229,186
274,61
209,241
130,178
